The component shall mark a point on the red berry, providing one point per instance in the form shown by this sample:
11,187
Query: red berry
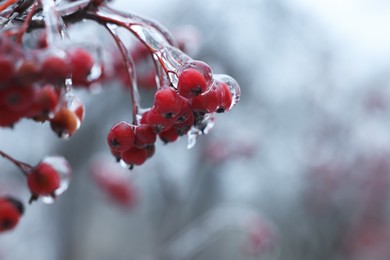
144,136
225,97
150,150
206,102
10,212
7,117
82,63
183,126
169,135
17,98
134,156
43,179
194,78
121,137
55,69
158,122
7,70
65,122
167,102
185,111
45,101
27,73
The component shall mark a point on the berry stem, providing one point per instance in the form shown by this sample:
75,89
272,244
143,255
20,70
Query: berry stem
130,68
135,18
6,4
144,32
24,167
26,22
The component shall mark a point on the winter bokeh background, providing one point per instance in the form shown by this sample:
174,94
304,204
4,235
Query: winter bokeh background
299,169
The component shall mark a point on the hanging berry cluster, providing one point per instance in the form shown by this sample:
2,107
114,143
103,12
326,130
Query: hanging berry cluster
32,85
40,69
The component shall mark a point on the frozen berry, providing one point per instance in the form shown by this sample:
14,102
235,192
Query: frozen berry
10,212
7,70
82,63
121,137
7,117
45,101
43,180
206,102
169,135
158,122
55,69
134,156
144,136
17,98
194,78
28,72
65,122
225,97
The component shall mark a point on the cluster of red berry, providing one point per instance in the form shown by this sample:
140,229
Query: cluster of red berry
33,85
47,180
175,111
37,76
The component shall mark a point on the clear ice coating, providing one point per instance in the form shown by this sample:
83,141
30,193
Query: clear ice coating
74,104
234,88
202,128
169,61
61,165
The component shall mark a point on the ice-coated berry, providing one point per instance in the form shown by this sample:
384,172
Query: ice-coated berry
11,210
206,102
194,78
158,122
55,69
17,98
144,136
169,135
65,122
225,97
44,179
81,62
134,156
6,70
167,102
121,137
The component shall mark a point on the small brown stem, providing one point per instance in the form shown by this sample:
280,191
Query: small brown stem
7,4
105,15
26,22
130,69
24,167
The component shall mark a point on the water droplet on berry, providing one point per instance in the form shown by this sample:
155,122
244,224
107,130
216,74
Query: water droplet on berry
61,165
234,88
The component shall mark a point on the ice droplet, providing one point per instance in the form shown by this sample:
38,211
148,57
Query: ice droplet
234,88
192,135
203,127
61,165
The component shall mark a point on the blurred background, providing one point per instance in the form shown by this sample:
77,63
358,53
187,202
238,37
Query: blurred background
299,169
